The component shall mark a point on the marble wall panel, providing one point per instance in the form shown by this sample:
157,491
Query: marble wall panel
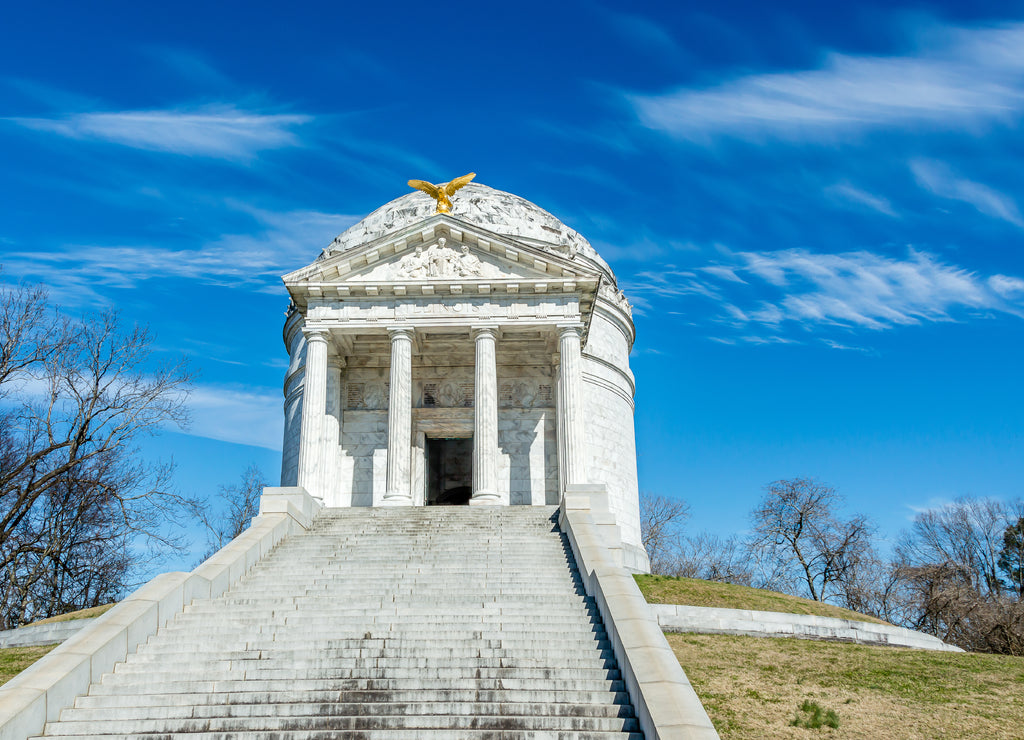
363,463
528,464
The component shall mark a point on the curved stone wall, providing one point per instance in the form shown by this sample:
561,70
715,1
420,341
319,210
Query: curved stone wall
296,346
608,390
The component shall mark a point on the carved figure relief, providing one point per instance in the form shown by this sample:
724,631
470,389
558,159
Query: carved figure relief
438,261
370,396
524,394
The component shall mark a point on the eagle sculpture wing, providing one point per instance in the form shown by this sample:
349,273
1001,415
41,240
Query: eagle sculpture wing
432,190
457,183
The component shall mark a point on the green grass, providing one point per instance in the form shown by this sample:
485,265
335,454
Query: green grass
16,659
692,592
756,688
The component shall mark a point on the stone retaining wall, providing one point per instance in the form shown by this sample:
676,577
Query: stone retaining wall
42,634
710,620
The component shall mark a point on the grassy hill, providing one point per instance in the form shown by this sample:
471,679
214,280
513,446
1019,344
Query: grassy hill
16,659
690,591
93,611
753,688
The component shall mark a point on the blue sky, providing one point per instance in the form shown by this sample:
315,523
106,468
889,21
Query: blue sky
816,208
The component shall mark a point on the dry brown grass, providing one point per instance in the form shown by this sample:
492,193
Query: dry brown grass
752,687
93,611
693,592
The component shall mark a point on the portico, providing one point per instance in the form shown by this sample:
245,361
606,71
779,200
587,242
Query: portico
418,409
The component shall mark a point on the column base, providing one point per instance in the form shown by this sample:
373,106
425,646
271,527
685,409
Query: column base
485,498
395,498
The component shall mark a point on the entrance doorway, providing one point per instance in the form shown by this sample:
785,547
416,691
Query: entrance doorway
449,471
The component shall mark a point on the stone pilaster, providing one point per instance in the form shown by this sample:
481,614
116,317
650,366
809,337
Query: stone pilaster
570,405
400,419
314,407
485,418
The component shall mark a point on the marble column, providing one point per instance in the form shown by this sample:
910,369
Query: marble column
330,452
570,407
485,418
398,491
314,408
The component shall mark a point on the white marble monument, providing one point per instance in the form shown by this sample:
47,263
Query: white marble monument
479,356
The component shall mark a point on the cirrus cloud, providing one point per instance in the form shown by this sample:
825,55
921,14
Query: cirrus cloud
797,288
223,132
971,76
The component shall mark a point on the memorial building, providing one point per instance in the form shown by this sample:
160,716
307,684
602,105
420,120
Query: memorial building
460,346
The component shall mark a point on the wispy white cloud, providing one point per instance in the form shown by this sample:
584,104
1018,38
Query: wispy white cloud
1011,288
855,290
243,416
223,132
848,193
967,76
281,241
939,179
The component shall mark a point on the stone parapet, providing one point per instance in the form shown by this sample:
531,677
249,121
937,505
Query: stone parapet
666,705
40,692
716,621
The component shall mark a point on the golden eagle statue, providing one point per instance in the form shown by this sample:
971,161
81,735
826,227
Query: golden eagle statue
442,192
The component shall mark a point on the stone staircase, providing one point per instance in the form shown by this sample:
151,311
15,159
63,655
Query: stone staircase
391,623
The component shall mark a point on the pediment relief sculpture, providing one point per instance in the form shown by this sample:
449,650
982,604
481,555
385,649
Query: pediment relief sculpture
440,261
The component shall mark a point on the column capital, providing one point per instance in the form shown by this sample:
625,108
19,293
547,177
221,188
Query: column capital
492,330
399,332
336,361
573,328
315,334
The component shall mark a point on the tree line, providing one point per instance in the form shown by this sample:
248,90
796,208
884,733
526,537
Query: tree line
83,516
957,573
81,513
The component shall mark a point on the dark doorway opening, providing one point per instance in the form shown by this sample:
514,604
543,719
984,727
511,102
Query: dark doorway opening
449,471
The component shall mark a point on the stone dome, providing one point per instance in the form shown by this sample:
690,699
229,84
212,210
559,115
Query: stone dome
497,211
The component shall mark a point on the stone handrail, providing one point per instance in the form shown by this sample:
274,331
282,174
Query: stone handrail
719,621
38,694
666,705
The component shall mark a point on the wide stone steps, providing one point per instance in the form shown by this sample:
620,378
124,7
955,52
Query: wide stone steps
366,696
338,708
388,683
352,723
380,624
391,733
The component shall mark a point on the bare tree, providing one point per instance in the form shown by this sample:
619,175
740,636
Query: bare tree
238,504
953,562
661,530
76,397
797,532
712,558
